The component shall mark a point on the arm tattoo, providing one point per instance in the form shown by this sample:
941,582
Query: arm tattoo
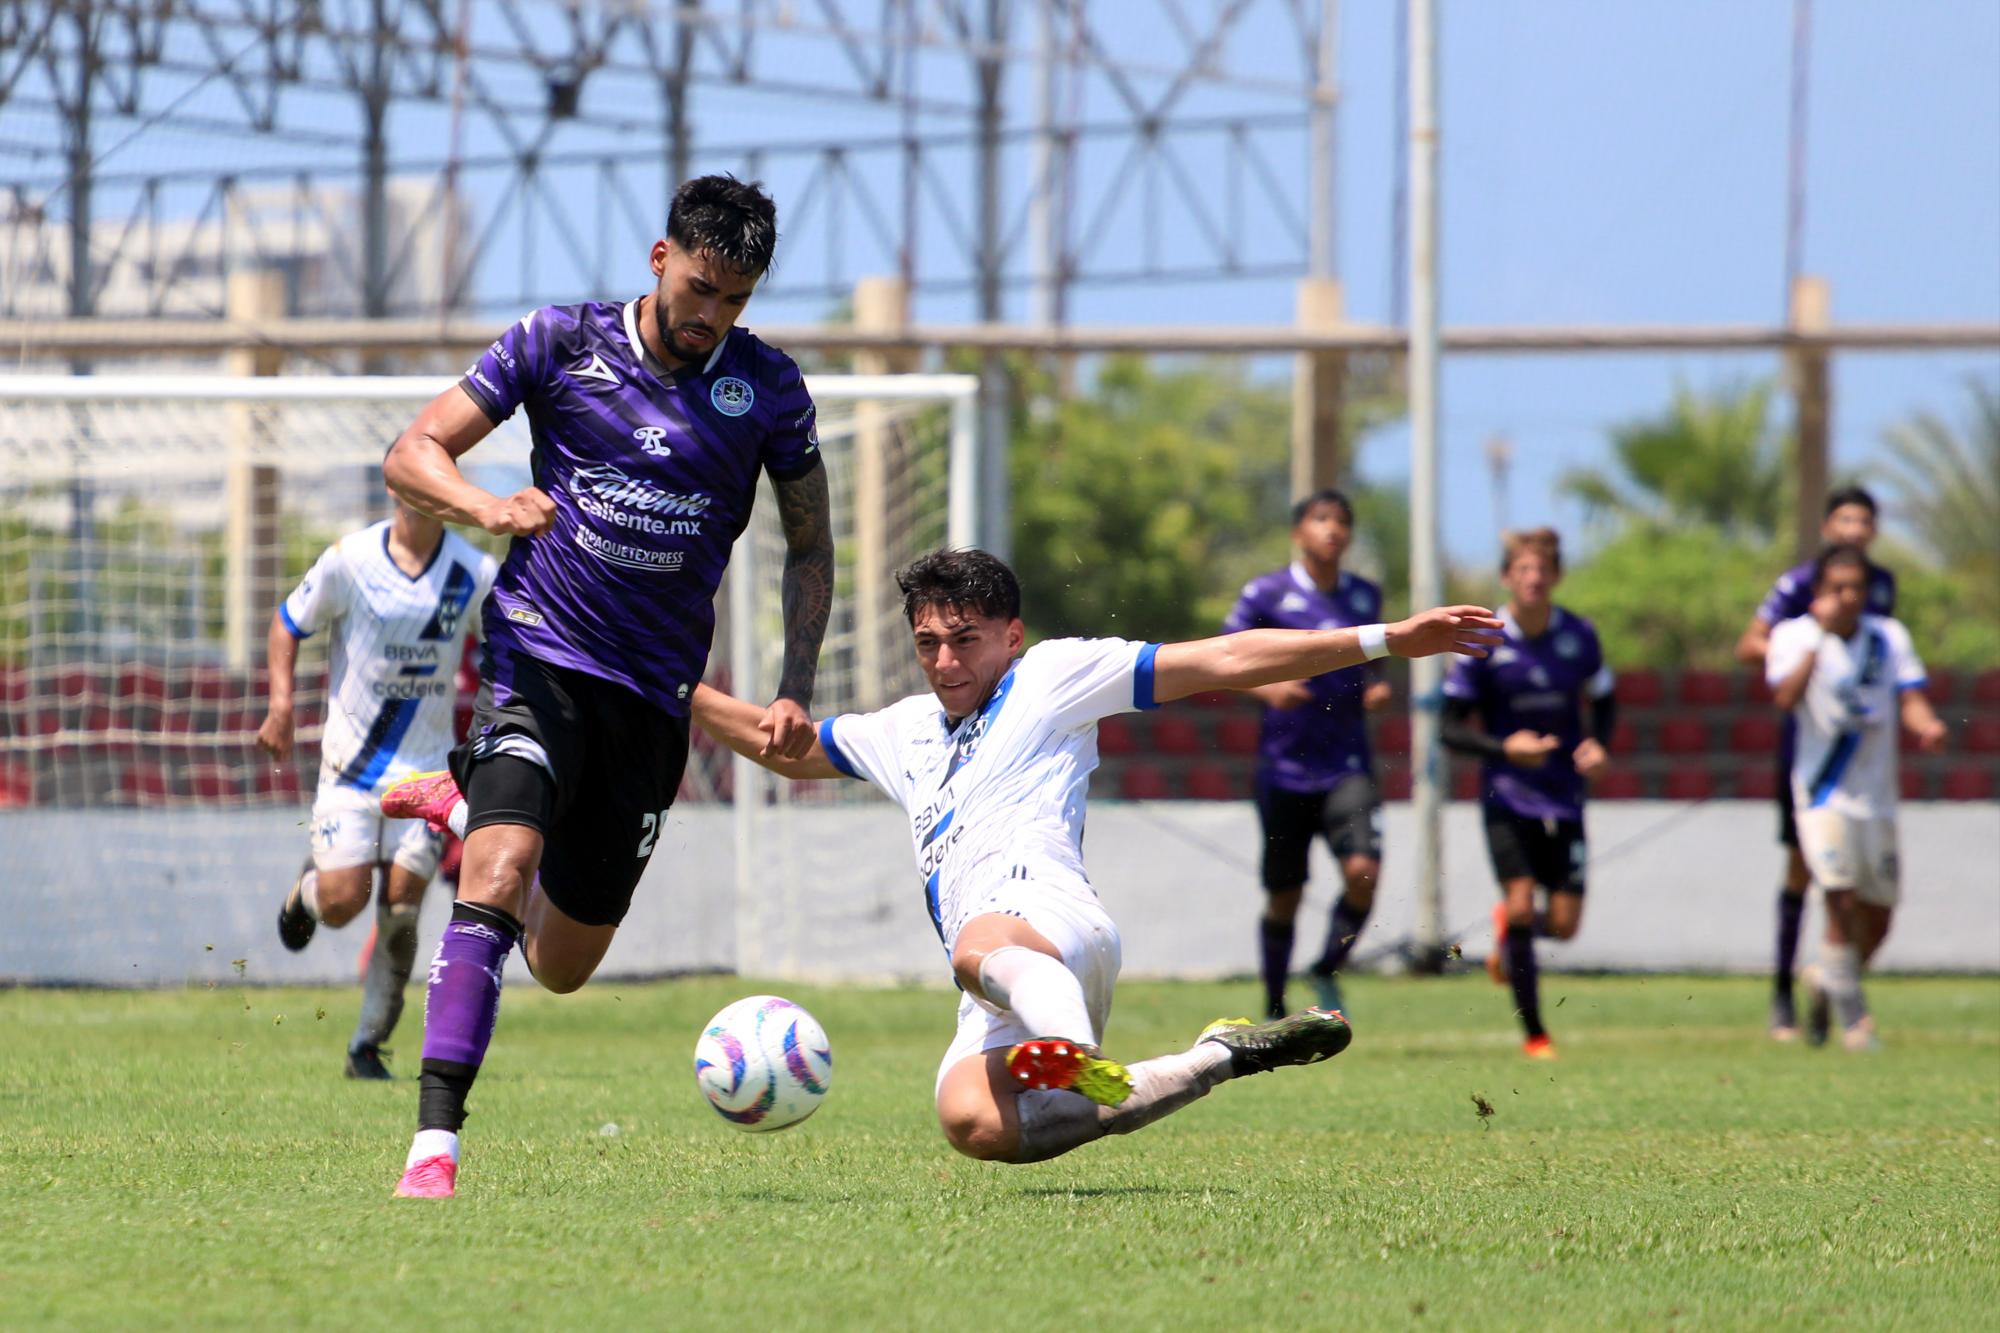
807,519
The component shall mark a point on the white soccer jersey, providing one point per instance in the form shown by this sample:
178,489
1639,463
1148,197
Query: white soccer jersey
1001,795
1850,715
397,641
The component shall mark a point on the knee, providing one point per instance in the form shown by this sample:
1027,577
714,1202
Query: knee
559,980
341,898
1361,877
977,1134
1561,929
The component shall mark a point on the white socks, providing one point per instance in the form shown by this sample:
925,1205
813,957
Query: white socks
1040,991
1052,1123
432,1143
456,819
1841,972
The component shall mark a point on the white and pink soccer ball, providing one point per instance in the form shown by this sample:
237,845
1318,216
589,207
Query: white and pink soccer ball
763,1063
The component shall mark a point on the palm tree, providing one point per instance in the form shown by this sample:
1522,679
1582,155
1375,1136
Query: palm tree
1947,485
1711,459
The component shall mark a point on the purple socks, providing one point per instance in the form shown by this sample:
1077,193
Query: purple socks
461,1002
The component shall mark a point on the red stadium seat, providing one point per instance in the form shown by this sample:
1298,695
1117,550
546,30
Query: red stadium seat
143,783
1982,736
1237,735
1683,735
1704,689
1465,782
1215,698
142,685
279,783
216,685
1966,784
1114,737
1986,688
1143,782
1617,784
1176,735
1941,687
1395,782
1206,782
1756,690
1754,733
1689,782
14,687
1392,734
1756,782
210,781
1641,689
1624,739
17,785
1911,782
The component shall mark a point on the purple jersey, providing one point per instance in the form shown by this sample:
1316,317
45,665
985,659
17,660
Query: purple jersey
1312,747
1539,685
653,473
1791,596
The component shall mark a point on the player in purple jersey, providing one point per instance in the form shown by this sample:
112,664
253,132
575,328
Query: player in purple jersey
651,420
1849,521
1522,710
1315,776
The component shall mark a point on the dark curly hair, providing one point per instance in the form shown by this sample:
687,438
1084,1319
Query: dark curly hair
960,580
731,219
1841,553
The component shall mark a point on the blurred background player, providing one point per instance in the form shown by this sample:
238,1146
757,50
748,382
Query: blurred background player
1315,775
1523,711
651,421
993,768
398,596
1851,680
1849,521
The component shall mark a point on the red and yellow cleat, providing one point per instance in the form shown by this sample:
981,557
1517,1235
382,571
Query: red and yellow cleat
1539,1048
426,796
1051,1064
433,1178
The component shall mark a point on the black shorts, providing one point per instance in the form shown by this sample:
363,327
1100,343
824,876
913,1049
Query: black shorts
1348,816
615,762
1788,824
1551,852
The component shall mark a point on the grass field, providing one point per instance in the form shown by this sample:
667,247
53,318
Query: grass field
193,1159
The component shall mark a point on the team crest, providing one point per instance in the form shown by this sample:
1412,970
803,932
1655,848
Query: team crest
1358,599
732,396
1567,645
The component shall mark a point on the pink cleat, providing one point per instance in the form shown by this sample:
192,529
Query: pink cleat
426,796
432,1178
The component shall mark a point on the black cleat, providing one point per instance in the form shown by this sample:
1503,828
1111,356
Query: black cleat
366,1062
295,924
1305,1038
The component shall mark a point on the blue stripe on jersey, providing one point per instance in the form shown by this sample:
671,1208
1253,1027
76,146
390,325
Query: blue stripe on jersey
379,746
834,754
931,901
1916,684
1830,772
292,626
1142,678
940,827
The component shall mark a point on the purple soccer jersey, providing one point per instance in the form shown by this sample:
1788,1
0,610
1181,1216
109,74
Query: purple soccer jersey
1312,747
653,473
1791,596
1541,685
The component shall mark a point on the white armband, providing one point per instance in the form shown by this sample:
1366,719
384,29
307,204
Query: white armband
1374,640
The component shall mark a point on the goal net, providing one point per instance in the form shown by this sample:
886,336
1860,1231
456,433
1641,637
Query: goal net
149,526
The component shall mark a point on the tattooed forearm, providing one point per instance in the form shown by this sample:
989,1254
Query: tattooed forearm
806,517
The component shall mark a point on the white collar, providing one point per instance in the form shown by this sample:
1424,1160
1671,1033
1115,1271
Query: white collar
645,353
1305,580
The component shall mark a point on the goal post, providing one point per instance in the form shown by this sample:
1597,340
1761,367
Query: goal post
149,524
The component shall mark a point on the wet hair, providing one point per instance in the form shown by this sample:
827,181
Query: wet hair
1840,553
731,219
1531,541
1850,495
1328,496
963,580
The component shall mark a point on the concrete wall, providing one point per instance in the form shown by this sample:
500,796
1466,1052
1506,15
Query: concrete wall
148,898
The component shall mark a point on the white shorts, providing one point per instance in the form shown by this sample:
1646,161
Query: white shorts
348,830
1847,853
1076,923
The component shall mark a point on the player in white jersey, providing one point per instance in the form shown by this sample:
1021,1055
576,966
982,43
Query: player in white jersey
993,767
1851,681
398,597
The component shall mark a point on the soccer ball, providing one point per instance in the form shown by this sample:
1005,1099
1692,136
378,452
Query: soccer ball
763,1063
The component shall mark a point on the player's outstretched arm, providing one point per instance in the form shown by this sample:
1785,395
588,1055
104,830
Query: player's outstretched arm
1921,720
743,728
422,469
807,596
281,656
1255,657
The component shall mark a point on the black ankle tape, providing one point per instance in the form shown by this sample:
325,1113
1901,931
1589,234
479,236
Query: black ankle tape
462,910
441,1092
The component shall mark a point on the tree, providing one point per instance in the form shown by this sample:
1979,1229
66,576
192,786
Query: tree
1947,484
1710,459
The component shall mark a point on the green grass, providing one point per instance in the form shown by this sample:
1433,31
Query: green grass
189,1159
